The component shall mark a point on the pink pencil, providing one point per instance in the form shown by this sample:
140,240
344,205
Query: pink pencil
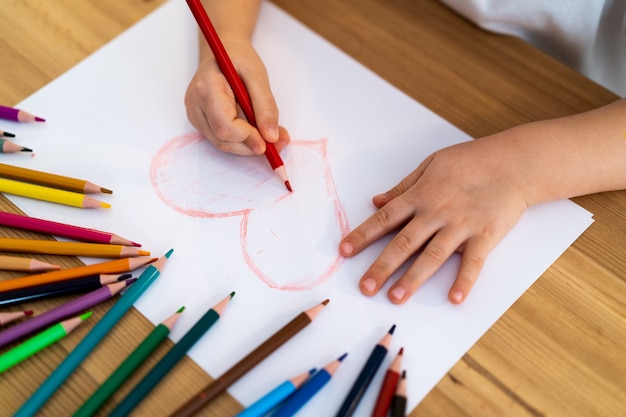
17,115
62,229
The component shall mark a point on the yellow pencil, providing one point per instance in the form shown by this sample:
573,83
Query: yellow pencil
54,247
52,195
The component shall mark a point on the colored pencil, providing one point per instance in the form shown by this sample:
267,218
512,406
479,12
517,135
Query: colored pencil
235,82
366,375
15,263
130,364
47,389
117,266
171,358
55,289
219,385
17,115
388,387
309,389
55,247
69,231
265,404
10,147
40,342
62,312
398,402
8,317
48,179
52,195
7,134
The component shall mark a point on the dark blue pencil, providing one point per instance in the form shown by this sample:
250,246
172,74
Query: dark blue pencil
360,385
297,400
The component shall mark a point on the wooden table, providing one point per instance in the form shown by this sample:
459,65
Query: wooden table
560,350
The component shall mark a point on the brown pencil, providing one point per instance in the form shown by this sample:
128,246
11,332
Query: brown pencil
51,180
9,317
117,266
211,391
14,263
54,247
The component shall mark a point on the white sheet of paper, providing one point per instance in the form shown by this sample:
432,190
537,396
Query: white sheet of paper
118,119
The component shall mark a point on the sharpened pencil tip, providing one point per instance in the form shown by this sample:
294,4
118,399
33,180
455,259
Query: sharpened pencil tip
326,301
288,186
401,351
130,281
232,294
180,310
124,277
169,253
105,190
8,135
105,205
86,315
342,357
25,149
28,312
393,328
39,119
144,253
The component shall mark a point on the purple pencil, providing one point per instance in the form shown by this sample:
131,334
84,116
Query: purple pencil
62,312
17,115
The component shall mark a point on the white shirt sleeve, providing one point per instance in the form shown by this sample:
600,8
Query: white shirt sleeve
587,35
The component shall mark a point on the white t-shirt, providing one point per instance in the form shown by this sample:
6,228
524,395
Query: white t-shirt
587,35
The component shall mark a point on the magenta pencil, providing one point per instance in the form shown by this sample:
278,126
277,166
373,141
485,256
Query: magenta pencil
62,312
17,115
62,229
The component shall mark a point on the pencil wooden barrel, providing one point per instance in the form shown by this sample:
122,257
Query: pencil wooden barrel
558,351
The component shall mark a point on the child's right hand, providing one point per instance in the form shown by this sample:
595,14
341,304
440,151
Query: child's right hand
212,109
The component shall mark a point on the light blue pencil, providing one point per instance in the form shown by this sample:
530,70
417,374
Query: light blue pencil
270,400
110,319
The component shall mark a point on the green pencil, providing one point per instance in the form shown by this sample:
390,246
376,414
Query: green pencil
47,389
40,341
126,369
171,358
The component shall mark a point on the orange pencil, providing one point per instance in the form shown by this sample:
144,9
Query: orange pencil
117,266
14,263
9,317
54,247
51,180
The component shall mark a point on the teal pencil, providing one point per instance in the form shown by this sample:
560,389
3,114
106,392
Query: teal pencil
74,359
130,364
171,358
39,342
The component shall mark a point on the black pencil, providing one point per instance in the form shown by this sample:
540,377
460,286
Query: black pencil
398,402
55,289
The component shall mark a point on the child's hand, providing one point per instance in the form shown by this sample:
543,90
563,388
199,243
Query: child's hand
212,109
465,197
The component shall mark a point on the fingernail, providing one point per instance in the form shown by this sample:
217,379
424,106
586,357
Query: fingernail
272,132
457,296
398,293
347,248
369,284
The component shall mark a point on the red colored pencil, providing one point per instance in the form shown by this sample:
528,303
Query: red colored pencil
235,82
17,115
61,229
9,317
388,388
